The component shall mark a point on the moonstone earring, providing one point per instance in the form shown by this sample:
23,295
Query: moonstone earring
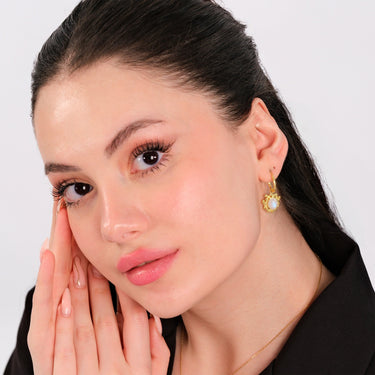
271,201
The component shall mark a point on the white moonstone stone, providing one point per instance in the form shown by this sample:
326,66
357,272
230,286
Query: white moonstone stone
272,204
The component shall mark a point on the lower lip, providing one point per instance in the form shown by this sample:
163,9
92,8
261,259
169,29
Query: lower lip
150,272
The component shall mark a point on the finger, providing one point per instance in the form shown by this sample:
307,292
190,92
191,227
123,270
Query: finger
84,335
64,358
120,319
136,336
53,223
159,350
41,332
44,247
105,324
61,247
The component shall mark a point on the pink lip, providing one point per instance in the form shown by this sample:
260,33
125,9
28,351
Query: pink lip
158,263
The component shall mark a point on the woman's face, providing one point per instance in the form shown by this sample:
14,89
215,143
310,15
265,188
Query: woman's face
150,173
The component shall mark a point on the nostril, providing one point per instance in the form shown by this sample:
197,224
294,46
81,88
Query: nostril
118,232
121,222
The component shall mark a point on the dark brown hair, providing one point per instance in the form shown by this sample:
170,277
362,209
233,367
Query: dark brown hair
199,44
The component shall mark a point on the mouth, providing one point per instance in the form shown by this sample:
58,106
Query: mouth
145,266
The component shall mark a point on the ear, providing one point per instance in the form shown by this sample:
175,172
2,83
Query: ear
271,145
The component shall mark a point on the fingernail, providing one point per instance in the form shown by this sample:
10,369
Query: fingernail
60,205
78,274
159,326
44,247
66,304
96,273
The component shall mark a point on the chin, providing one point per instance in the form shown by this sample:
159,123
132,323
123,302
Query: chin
167,308
167,313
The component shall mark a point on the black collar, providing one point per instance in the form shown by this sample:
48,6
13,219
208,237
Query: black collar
337,333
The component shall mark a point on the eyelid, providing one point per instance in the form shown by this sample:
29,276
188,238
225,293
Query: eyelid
59,189
154,145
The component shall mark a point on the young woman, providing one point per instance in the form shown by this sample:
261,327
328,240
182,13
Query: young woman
180,179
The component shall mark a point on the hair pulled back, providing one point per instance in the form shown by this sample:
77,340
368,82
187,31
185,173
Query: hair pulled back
200,45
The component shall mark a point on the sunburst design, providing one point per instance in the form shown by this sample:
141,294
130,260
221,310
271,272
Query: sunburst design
271,202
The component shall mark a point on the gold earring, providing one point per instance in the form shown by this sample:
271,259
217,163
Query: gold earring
271,201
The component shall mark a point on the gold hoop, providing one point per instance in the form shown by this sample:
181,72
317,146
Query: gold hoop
271,201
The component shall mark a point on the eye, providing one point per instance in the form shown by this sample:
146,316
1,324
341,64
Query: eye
71,192
148,159
76,191
150,156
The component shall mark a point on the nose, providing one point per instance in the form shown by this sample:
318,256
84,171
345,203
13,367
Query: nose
121,220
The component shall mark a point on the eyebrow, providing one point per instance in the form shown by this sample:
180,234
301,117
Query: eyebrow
125,133
56,167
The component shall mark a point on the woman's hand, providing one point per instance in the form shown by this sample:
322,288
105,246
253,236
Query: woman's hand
74,329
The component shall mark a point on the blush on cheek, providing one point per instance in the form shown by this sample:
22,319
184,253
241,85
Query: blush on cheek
82,235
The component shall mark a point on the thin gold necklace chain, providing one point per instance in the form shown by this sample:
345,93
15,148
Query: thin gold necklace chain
274,337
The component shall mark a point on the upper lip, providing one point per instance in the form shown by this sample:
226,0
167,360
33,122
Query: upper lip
141,255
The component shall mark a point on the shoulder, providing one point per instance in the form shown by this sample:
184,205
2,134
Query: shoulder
371,367
20,360
337,334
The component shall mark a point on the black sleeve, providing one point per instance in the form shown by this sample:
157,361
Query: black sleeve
371,367
20,361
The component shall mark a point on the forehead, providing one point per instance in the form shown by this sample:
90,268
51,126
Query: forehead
104,85
91,104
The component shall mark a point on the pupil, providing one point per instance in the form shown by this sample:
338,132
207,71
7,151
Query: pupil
81,189
150,157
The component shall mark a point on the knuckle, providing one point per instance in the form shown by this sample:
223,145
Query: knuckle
35,340
106,322
84,333
60,331
100,290
139,317
165,351
39,351
116,370
67,353
31,341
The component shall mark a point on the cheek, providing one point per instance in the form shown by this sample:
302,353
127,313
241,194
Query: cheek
84,234
214,205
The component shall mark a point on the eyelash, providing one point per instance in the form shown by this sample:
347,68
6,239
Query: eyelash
157,145
59,189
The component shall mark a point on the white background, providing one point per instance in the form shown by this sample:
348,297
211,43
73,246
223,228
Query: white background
320,55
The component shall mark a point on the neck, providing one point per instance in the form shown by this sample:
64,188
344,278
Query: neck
274,285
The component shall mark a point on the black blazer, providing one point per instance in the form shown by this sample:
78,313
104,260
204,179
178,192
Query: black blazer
336,335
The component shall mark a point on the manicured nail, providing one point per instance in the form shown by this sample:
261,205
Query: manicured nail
60,205
96,273
78,274
66,304
44,247
159,326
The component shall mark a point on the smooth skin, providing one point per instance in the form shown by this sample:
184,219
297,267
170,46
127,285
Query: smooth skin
241,274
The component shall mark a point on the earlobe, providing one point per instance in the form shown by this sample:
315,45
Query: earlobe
270,142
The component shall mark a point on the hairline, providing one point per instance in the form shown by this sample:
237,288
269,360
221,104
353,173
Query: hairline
171,78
